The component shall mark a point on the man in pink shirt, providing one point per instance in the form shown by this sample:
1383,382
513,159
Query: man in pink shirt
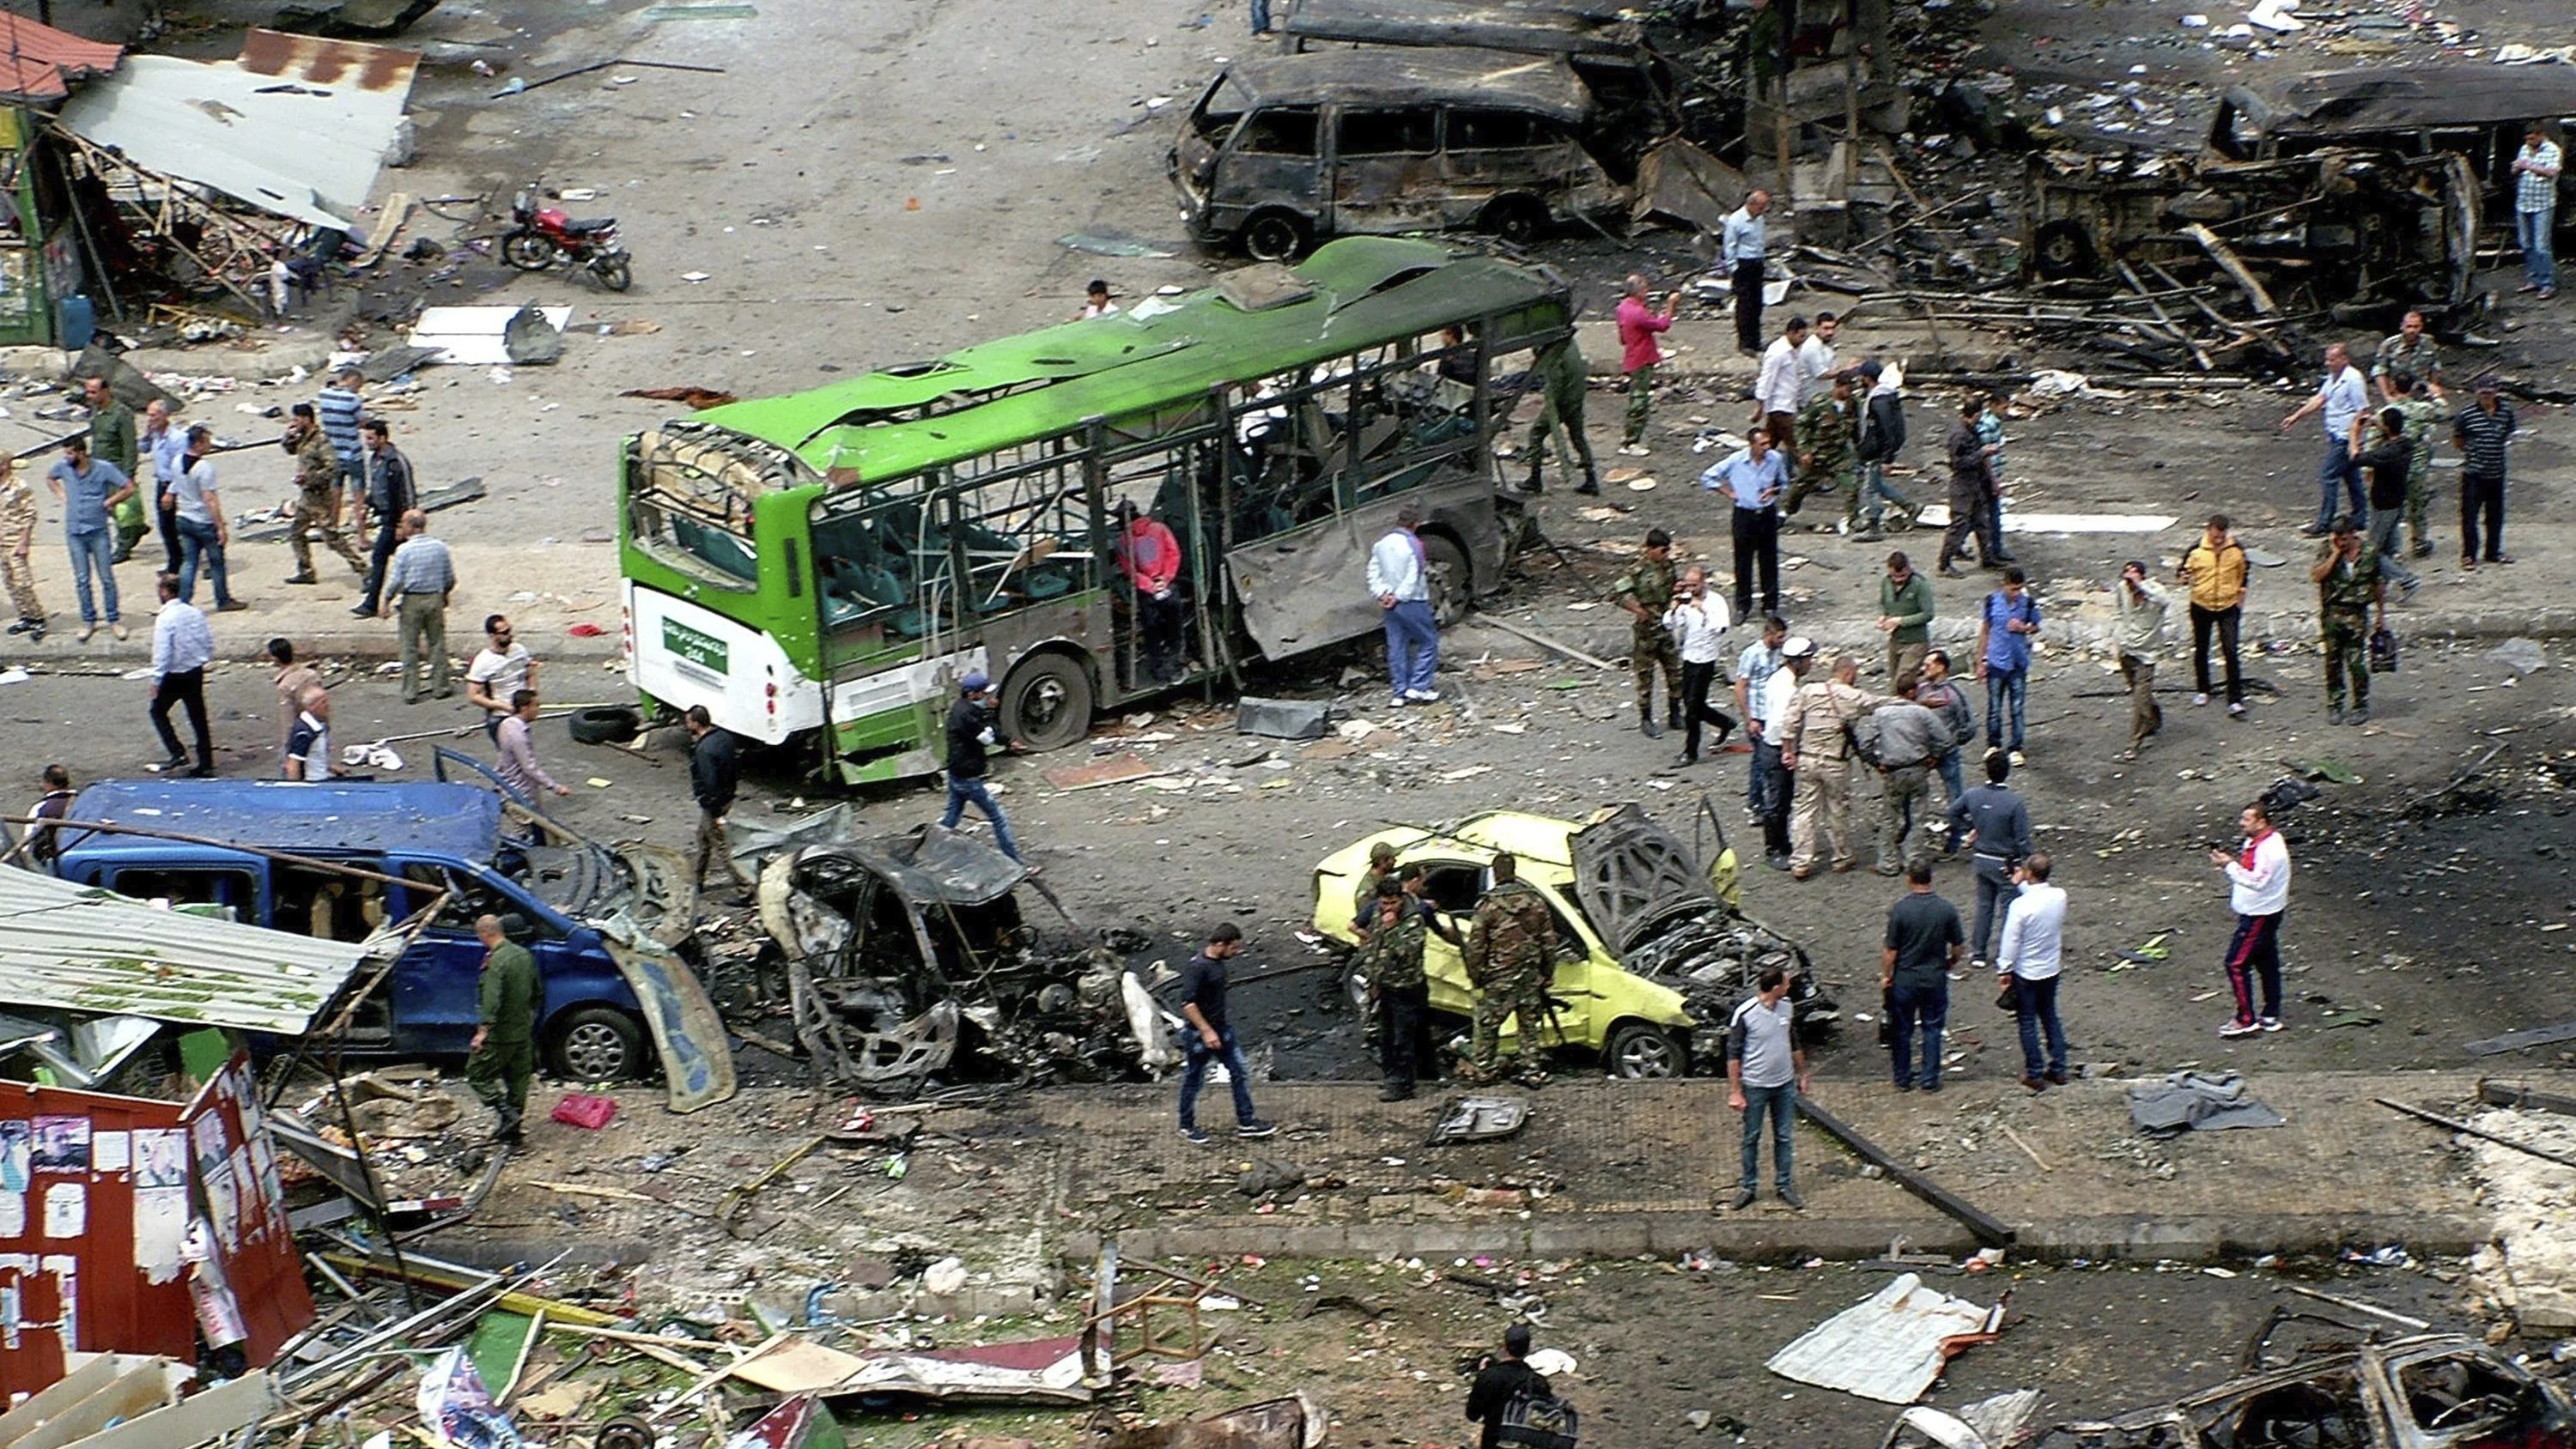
1151,559
1639,352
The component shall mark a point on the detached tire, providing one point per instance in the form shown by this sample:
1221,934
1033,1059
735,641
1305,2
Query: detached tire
1046,703
597,1044
1453,581
1637,1052
611,725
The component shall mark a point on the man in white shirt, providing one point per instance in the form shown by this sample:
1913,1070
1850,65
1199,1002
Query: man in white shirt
1816,360
2028,964
500,670
1399,576
1766,1069
308,747
1778,691
204,532
182,647
2341,397
2258,890
1698,622
1775,391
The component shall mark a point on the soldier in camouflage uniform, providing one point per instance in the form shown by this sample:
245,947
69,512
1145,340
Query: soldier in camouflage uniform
1510,957
17,538
2417,405
2348,592
317,497
1826,457
1646,592
1381,867
1390,959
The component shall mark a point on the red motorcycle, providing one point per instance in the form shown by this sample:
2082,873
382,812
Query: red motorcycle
547,235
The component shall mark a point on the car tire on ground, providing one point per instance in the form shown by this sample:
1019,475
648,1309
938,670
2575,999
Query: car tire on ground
605,725
1637,1051
1275,236
597,1044
1046,703
1453,583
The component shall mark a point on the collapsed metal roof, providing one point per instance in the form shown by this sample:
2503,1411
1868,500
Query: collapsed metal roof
70,947
2343,102
1411,76
297,128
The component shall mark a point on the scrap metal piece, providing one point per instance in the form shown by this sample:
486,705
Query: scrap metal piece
1283,719
1891,1345
2463,1128
1988,1229
2517,1040
1480,1119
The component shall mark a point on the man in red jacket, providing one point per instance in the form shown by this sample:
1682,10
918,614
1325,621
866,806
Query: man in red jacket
1150,557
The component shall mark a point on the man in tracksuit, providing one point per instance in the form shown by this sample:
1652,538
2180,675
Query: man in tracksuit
971,731
1993,823
2258,891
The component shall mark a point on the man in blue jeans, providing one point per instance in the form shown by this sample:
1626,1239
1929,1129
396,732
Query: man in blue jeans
1923,943
1210,1035
1399,576
971,731
2342,397
2005,628
2535,209
90,489
2028,964
1766,1069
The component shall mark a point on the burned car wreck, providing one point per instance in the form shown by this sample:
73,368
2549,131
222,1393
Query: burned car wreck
908,956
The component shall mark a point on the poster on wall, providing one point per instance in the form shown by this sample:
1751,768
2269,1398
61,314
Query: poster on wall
62,1144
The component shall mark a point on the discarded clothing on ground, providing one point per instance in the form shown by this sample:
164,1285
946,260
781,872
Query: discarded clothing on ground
2197,1102
1889,1347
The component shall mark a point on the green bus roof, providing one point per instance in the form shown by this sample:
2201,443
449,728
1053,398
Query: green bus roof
1357,292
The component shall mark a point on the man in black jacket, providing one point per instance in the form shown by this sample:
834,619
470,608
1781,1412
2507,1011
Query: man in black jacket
2390,461
971,731
715,773
1880,439
1502,1380
389,495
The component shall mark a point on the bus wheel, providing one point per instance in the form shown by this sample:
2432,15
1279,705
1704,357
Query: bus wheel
1275,236
1518,220
2064,249
1452,582
1046,705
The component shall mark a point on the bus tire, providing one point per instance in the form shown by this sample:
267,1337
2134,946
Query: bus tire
1453,582
1046,703
1275,236
1516,220
2064,249
604,725
598,1044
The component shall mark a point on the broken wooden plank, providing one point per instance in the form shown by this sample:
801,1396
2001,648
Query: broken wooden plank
2498,1138
1988,1229
2198,355
2234,266
2357,1306
1544,642
2517,1040
2498,1094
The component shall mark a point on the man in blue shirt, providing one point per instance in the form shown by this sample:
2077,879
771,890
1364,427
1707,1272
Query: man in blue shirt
2341,397
2005,627
90,488
1742,246
1752,477
182,647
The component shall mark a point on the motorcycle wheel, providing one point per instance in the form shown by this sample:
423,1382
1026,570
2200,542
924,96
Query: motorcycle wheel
614,274
527,251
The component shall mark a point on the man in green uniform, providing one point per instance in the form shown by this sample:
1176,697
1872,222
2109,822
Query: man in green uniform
1563,386
1390,959
1825,454
2418,405
1381,867
317,502
1510,957
502,1058
112,437
2348,593
1646,592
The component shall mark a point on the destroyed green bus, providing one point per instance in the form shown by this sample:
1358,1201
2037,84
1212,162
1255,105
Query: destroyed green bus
826,566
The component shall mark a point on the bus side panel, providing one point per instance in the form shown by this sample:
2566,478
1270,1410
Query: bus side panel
889,725
684,655
1308,587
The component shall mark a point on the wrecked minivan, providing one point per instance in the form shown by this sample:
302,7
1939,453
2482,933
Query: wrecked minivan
1279,154
2477,112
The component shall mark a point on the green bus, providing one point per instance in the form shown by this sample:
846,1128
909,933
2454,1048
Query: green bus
827,565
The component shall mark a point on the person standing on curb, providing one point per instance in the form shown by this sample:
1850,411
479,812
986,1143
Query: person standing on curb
1923,943
1972,483
2139,633
317,498
1698,622
182,647
972,730
1775,392
1911,738
2481,432
1766,1069
1905,617
1390,957
2341,397
1818,746
2216,570
2349,591
2535,209
501,1061
1771,762
2006,625
1399,574
1753,477
2258,891
204,532
90,489
1564,385
1994,824
1646,592
419,581
1640,354
1510,958
2028,963
1744,241
1939,693
499,670
1881,437
388,497
2390,462
1502,1382
17,542
1210,1036
715,775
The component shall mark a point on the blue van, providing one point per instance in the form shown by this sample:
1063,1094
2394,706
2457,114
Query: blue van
601,922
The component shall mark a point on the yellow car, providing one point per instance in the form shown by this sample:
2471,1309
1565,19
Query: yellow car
1655,954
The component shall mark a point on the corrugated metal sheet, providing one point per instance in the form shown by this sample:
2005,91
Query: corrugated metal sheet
296,148
73,948
312,60
39,63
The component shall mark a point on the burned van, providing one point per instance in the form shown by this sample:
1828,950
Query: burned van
1280,154
2477,112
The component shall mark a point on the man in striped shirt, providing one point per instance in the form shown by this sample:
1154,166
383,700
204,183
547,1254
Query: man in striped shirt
2481,432
338,406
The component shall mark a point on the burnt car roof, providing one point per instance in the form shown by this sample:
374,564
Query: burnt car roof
930,866
1406,75
2356,101
1541,27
